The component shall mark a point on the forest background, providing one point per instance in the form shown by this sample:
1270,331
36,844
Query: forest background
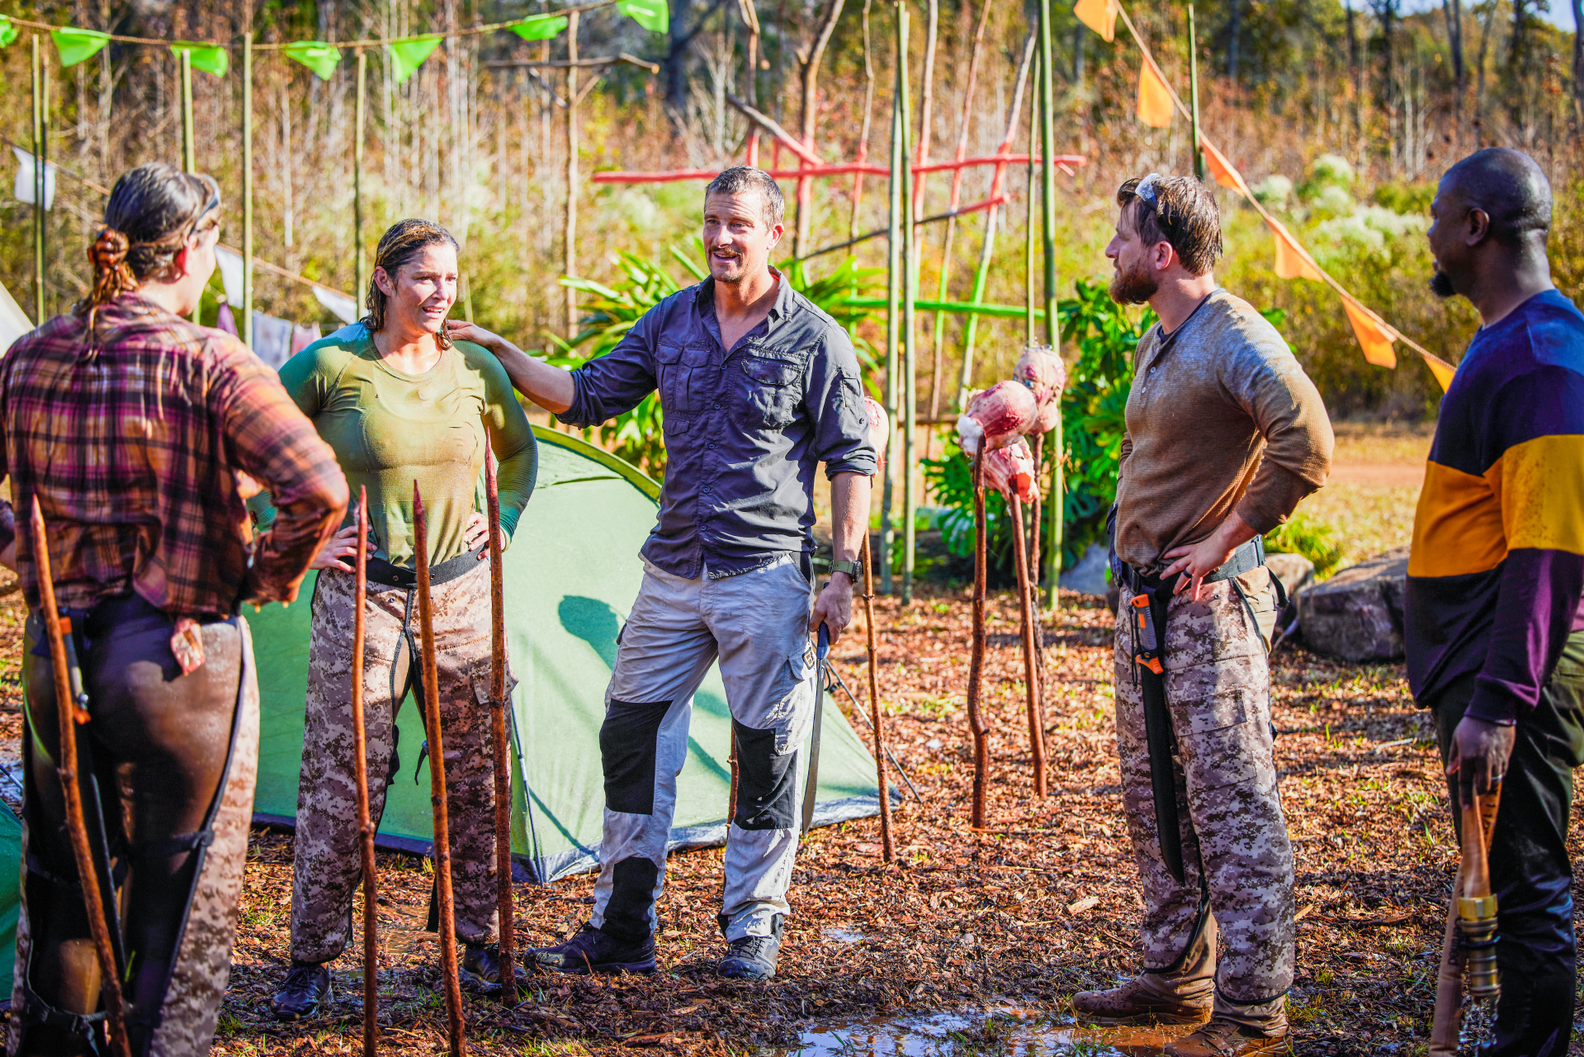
1341,119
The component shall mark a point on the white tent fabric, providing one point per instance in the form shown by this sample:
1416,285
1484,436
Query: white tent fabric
13,321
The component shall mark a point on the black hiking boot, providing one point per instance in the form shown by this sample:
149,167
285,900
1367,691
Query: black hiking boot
753,957
591,950
305,989
481,968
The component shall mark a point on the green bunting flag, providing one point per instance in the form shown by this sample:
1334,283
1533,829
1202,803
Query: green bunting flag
409,54
75,45
210,58
540,27
653,15
318,56
8,32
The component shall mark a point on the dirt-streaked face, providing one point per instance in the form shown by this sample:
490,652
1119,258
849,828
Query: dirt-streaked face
423,290
737,238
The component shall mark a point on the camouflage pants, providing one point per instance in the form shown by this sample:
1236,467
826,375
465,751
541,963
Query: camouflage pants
327,867
1237,860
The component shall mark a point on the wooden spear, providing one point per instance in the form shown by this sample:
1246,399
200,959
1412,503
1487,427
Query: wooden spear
888,851
360,773
437,786
503,877
1473,911
1030,664
976,723
69,708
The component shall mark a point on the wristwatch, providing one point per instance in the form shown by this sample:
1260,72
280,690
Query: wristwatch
850,568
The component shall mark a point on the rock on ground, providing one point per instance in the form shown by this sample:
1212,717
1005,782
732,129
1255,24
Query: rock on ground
1358,613
1088,577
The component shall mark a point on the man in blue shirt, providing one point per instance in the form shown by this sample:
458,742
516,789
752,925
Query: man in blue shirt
757,386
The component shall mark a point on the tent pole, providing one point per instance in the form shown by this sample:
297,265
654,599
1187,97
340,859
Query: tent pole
893,326
1053,551
360,265
910,270
39,148
247,183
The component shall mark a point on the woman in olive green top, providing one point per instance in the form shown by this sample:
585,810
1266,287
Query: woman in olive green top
399,402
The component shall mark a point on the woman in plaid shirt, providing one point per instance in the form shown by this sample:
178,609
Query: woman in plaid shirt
140,434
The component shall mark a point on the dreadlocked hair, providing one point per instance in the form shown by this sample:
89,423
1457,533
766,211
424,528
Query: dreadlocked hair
153,210
398,246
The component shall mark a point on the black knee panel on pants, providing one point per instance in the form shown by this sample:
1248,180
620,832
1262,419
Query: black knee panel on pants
627,753
766,781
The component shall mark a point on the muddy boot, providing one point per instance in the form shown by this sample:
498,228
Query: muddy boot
593,950
1184,994
303,993
1227,1038
480,968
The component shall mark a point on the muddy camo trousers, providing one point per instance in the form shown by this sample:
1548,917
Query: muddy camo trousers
1237,859
1531,874
168,762
756,624
327,868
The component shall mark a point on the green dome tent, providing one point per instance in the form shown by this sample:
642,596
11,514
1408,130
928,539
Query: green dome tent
571,576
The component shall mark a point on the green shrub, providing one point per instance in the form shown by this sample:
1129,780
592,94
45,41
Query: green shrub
1312,539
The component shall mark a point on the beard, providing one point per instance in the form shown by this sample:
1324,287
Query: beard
1133,287
730,270
1441,284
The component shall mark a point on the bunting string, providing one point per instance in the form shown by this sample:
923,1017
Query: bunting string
1156,102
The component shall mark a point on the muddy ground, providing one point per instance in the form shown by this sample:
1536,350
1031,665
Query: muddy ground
1038,904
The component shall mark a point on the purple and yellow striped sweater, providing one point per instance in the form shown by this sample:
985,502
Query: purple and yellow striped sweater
1497,568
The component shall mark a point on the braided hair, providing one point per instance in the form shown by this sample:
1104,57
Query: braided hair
153,210
398,246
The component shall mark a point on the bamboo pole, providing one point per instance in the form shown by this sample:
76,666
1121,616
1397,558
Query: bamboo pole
360,774
40,149
189,159
503,871
247,183
571,171
887,849
1193,89
1028,227
750,17
360,260
70,711
1030,665
907,397
437,785
893,327
863,133
1053,563
976,723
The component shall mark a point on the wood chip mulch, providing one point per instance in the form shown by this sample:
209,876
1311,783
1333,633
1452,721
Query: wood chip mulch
1039,904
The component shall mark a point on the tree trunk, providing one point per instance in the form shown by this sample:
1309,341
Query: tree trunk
805,217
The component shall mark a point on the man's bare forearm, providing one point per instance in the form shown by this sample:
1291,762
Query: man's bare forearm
549,387
849,514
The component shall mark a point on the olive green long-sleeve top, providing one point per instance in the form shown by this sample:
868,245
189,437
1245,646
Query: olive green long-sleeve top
1220,417
388,429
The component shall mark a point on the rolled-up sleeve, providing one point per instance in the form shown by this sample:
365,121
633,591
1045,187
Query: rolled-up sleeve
835,404
616,382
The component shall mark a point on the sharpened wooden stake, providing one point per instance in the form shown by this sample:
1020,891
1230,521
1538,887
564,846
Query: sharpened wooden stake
66,707
888,849
360,773
437,785
503,873
976,723
1030,663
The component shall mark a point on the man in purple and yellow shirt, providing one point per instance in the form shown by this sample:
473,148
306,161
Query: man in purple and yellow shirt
1495,637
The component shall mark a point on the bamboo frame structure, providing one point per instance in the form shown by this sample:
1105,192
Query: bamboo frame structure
1053,561
246,325
503,870
359,254
893,327
360,774
40,164
571,170
906,395
189,149
437,786
70,711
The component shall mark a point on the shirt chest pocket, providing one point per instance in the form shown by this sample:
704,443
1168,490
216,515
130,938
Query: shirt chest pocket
684,375
769,386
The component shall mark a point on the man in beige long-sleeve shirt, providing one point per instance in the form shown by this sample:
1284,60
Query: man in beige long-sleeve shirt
1225,434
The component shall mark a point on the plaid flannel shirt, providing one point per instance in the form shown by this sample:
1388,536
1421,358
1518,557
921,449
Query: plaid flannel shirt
139,447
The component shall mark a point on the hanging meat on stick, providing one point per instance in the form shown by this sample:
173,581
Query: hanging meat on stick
1044,374
996,417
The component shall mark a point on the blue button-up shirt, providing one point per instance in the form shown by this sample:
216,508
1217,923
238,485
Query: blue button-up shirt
744,427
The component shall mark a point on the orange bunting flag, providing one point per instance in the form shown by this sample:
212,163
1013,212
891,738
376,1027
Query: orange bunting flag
1371,335
1441,369
1154,98
1098,15
1222,169
1291,260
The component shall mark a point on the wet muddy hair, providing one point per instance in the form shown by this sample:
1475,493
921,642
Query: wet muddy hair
153,210
1178,210
398,246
